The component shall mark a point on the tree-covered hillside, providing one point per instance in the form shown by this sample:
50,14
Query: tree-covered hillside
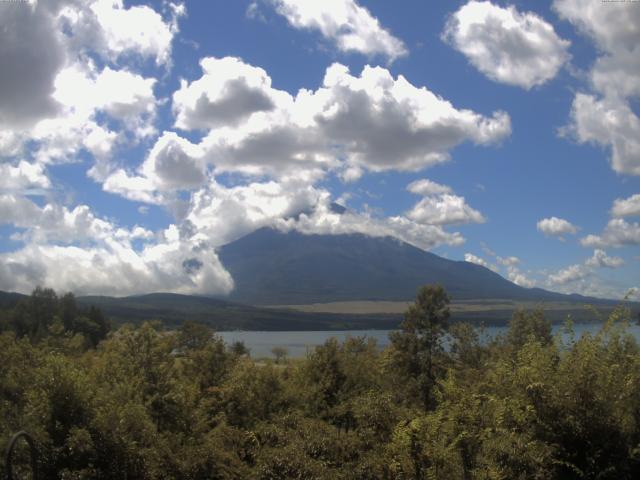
144,403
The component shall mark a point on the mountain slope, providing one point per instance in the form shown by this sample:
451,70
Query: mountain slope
270,267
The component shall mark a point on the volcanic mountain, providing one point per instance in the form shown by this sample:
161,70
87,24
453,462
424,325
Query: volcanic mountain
270,267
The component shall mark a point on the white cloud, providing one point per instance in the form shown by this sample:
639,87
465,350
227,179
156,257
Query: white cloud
228,92
77,251
443,210
556,227
172,164
55,223
138,29
470,257
323,220
16,209
57,102
613,26
175,163
607,119
508,261
22,176
31,55
513,273
570,274
132,187
508,46
427,187
519,278
350,26
581,277
253,12
223,214
83,95
617,233
373,122
114,268
601,259
440,206
626,207
608,122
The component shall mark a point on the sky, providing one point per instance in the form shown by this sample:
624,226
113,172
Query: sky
138,137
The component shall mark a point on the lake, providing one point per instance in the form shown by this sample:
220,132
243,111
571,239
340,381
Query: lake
299,343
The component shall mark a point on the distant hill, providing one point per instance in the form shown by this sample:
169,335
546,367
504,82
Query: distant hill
10,299
270,267
173,309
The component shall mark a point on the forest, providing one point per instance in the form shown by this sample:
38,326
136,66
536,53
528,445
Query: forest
143,402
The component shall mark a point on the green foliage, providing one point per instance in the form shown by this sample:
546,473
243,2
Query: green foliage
43,313
417,347
153,404
529,326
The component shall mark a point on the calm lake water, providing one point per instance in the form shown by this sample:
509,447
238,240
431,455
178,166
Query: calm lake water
299,343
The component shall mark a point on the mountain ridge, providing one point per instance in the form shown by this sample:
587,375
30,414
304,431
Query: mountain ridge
270,267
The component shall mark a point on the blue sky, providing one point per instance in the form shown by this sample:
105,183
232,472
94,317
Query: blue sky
138,136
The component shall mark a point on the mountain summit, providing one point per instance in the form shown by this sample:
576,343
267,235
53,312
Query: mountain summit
271,267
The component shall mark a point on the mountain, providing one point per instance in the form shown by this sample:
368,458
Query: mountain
270,267
273,268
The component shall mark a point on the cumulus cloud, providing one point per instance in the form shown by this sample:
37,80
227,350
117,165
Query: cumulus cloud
228,92
17,209
608,122
508,46
510,264
56,223
85,95
114,268
352,124
224,214
626,207
75,250
556,227
613,26
607,118
570,274
444,210
601,259
22,176
325,220
350,26
440,206
138,29
617,233
175,163
582,278
32,53
426,187
471,258
133,187
516,276
59,103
